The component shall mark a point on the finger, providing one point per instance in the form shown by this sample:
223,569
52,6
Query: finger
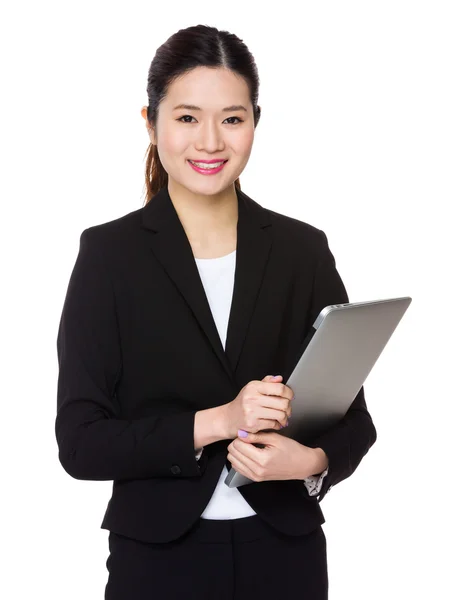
276,389
278,408
273,401
241,468
268,415
248,453
261,437
269,425
241,453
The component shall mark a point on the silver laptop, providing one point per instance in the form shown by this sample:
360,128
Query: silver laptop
338,354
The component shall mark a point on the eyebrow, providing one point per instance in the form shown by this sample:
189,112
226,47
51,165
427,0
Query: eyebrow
231,108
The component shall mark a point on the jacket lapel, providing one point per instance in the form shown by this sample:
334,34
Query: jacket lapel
171,247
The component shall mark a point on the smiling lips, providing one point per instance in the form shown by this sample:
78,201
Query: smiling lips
207,166
208,163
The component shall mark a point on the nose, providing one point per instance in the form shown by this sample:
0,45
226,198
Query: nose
209,138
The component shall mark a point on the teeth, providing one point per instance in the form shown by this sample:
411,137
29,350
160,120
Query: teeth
207,165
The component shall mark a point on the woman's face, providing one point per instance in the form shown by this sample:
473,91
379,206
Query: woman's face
206,132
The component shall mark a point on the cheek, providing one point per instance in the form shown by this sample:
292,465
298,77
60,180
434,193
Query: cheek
173,142
243,144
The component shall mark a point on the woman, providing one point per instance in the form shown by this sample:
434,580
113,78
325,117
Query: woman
177,317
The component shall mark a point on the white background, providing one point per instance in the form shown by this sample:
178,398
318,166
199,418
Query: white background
368,126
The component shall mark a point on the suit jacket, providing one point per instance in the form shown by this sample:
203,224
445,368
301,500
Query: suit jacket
139,354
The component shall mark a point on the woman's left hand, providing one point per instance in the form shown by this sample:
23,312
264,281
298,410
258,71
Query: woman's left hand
281,458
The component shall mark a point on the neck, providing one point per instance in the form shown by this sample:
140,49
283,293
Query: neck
207,219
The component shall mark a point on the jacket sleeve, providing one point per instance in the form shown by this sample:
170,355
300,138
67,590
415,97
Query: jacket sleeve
346,443
94,441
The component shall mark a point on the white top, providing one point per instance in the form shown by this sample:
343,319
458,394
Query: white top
217,276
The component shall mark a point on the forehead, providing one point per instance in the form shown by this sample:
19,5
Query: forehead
207,88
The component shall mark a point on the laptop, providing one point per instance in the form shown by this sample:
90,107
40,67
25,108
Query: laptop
336,357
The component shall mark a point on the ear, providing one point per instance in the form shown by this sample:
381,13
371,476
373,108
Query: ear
150,130
258,115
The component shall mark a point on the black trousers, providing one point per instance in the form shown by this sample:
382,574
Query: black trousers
235,559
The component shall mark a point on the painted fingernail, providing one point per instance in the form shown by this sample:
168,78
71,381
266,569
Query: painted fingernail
242,433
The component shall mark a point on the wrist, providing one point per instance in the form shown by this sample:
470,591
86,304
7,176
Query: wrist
221,421
209,426
317,463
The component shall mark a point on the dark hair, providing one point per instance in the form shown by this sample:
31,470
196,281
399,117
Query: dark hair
199,45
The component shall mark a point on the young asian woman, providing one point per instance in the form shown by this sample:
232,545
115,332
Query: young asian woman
181,321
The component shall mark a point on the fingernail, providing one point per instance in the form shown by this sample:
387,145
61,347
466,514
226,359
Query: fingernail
242,433
275,376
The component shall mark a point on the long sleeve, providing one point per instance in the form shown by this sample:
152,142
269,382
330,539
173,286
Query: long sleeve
349,440
94,442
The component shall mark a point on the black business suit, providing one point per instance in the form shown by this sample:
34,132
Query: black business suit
139,354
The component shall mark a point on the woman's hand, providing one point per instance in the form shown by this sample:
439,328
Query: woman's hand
259,405
281,458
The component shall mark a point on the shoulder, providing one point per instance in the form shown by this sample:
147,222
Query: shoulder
295,230
303,235
114,229
112,239
302,239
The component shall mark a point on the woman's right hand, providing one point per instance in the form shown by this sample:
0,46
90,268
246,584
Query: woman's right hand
259,405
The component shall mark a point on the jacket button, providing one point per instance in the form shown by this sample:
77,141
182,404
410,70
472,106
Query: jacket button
175,470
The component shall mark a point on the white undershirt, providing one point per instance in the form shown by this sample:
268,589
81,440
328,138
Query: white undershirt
217,276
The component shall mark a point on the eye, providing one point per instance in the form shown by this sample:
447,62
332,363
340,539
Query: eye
239,120
184,117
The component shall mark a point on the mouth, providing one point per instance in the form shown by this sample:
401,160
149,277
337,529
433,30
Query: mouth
207,167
